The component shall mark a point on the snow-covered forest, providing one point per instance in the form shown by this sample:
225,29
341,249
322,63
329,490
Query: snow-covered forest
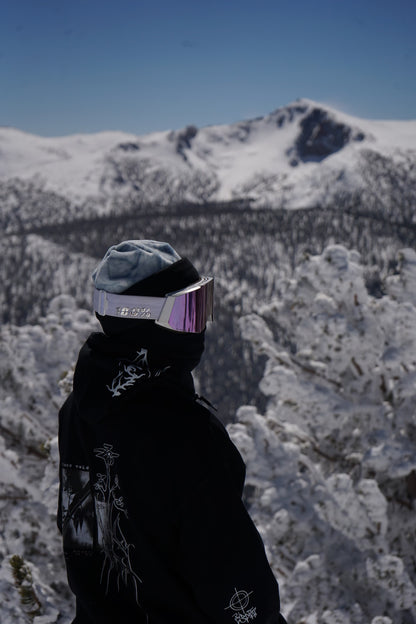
311,362
331,457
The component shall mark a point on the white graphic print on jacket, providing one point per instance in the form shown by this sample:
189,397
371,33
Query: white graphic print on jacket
77,511
109,509
239,603
132,371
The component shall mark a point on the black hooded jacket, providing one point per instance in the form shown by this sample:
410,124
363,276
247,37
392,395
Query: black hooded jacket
150,509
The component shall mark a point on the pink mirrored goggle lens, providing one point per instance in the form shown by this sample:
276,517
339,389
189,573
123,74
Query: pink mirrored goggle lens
191,310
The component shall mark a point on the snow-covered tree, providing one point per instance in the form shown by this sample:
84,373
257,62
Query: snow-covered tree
331,478
35,368
332,461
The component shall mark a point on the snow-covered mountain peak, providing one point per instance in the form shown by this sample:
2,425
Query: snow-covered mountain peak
319,131
287,158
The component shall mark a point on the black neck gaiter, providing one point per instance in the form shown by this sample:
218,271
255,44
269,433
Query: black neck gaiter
179,351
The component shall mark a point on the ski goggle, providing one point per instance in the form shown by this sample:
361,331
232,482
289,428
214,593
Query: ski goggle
185,310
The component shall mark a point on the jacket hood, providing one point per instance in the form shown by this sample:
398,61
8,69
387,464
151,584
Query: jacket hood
113,370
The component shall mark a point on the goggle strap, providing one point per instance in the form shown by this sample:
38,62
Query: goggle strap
128,306
185,310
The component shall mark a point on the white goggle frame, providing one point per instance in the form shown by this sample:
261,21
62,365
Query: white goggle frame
185,310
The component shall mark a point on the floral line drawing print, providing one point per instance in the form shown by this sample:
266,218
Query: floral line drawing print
109,511
131,371
239,603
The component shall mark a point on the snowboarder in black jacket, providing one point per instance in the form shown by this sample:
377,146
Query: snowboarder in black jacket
150,509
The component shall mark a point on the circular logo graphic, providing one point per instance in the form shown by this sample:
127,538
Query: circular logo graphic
239,601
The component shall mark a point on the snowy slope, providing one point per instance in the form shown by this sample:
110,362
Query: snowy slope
288,158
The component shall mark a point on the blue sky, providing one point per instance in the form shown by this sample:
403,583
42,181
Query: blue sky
71,66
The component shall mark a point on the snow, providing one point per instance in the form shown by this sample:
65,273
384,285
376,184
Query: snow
66,163
331,457
253,159
328,462
34,359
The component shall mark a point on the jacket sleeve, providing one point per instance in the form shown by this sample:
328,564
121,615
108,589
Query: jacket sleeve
222,553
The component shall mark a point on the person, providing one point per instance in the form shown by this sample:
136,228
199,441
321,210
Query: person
150,501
